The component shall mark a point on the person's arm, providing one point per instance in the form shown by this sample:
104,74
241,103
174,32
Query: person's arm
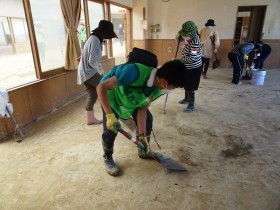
111,121
102,90
95,53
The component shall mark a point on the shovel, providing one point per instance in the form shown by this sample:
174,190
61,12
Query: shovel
166,161
216,63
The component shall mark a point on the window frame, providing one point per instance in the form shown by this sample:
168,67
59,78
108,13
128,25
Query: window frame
104,6
34,47
33,42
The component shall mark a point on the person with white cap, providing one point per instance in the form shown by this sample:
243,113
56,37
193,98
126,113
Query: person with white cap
89,65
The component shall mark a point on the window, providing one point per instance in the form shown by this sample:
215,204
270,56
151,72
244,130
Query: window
17,66
50,33
20,63
20,30
96,13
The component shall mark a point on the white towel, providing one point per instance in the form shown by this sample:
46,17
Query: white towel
4,104
151,79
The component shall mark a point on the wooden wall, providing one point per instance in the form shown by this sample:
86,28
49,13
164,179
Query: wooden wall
160,46
33,101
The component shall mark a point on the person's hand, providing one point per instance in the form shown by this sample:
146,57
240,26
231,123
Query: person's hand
245,57
112,123
143,139
215,50
179,38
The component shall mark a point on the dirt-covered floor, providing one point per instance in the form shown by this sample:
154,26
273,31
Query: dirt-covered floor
230,146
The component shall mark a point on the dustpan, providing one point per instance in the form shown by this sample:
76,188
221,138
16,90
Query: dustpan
216,63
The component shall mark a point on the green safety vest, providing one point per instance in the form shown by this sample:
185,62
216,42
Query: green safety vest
126,98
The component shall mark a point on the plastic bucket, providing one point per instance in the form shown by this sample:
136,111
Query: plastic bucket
258,76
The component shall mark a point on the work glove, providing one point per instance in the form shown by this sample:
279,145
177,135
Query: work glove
112,123
245,57
179,38
215,50
144,140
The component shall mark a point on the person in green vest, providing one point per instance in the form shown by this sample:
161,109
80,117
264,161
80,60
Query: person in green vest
128,90
83,35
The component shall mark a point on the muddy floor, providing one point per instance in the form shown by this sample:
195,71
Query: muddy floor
230,147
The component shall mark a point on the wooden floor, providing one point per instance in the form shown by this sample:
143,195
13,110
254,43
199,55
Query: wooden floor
59,165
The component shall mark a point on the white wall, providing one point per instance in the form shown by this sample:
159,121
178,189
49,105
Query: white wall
138,6
171,15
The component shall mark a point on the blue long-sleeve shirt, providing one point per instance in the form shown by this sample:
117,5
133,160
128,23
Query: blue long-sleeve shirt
244,49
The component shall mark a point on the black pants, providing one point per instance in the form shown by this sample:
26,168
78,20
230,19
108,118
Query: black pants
266,50
237,63
108,136
205,65
193,79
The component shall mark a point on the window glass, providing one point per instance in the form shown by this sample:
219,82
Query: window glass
16,61
20,30
82,32
118,15
50,33
96,13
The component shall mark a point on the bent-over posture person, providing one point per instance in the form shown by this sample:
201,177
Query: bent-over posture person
128,90
239,56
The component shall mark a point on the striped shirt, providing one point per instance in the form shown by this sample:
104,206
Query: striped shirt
191,54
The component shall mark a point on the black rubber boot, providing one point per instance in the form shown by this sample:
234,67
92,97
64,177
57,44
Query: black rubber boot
110,165
186,99
190,107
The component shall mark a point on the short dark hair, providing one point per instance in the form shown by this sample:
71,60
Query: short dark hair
174,72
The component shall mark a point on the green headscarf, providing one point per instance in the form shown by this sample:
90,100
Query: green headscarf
188,29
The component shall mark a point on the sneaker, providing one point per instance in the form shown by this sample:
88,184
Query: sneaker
205,77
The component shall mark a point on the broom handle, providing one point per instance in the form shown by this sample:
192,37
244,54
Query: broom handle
131,138
177,49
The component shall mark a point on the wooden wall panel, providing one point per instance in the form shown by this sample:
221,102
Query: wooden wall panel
20,100
58,91
73,89
139,44
159,47
167,56
156,46
34,100
39,95
222,54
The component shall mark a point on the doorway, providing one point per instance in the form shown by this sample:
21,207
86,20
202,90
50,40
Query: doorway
249,24
120,18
